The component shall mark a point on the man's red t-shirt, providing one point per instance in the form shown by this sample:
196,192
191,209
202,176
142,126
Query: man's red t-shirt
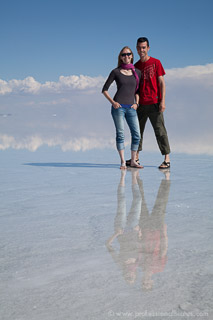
149,90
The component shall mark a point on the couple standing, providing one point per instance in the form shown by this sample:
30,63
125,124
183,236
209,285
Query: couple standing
140,95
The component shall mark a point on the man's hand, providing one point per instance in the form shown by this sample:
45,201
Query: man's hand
162,106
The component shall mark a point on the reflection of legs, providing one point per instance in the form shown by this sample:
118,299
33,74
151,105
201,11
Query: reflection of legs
126,255
134,213
144,245
155,220
154,240
158,215
144,215
120,219
159,208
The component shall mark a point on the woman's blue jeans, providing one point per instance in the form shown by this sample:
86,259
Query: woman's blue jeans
131,117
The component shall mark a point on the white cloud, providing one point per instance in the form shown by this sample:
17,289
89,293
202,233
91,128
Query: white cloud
190,72
30,85
4,87
32,143
82,82
82,119
191,75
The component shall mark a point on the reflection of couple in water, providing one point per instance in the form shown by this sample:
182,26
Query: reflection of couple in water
142,236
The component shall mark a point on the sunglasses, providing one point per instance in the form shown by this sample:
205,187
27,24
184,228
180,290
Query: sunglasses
126,54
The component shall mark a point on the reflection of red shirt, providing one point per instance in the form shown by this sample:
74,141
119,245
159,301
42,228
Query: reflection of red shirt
150,253
153,243
149,87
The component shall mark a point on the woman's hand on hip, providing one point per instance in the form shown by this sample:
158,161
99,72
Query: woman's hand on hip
116,105
134,106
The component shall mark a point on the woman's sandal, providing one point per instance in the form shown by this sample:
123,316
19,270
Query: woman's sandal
164,165
138,166
128,162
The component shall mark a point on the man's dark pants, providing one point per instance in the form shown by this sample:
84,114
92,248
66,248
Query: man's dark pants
157,120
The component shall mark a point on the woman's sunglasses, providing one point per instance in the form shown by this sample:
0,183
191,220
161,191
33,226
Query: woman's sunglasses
125,54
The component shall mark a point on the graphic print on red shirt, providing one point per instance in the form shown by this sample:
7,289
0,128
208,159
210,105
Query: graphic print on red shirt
148,72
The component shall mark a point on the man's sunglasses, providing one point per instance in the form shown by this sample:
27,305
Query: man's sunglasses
126,54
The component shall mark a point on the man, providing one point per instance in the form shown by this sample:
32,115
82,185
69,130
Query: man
152,99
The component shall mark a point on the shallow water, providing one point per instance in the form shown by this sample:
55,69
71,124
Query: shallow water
82,240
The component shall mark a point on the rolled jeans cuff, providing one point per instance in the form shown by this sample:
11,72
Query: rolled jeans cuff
134,147
120,146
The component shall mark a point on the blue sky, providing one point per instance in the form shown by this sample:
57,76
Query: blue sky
48,38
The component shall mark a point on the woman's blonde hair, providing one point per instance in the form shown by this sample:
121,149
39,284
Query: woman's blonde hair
119,56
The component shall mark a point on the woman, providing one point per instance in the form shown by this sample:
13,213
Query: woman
125,103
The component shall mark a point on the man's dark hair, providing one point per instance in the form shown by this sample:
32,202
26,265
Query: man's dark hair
143,39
